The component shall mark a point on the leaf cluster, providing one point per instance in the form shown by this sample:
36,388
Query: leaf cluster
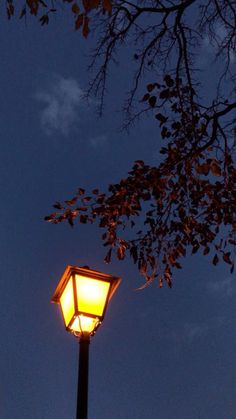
186,204
43,9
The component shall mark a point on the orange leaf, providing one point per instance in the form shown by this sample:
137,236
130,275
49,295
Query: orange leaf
145,97
79,21
87,5
215,169
108,256
226,258
10,10
86,27
203,169
33,5
150,87
107,6
94,4
215,260
90,4
75,8
121,253
206,250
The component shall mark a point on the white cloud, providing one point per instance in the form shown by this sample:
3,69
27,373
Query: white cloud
224,287
190,332
61,103
210,46
194,331
98,141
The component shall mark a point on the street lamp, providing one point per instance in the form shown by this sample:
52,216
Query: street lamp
83,295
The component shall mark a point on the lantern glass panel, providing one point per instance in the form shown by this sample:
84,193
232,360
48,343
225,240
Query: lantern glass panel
67,302
84,324
91,295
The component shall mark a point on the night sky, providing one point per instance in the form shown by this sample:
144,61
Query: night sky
160,353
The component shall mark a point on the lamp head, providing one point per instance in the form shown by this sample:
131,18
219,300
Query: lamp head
83,295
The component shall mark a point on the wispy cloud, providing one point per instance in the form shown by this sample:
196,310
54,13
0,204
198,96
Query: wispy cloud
211,46
98,141
222,287
61,102
190,332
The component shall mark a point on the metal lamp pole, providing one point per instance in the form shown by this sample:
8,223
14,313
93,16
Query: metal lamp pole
82,391
83,295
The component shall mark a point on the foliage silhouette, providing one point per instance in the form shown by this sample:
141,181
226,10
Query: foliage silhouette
188,202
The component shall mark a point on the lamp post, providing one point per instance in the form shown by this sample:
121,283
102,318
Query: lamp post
83,295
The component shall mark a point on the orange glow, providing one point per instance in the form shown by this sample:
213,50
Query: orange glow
91,295
83,295
84,324
67,302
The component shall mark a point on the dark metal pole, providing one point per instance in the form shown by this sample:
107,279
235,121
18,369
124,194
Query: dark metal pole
82,394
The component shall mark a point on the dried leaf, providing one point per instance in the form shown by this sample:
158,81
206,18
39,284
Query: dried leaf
58,205
176,125
44,19
169,81
161,118
203,169
23,13
139,163
86,29
134,253
10,10
81,191
75,8
145,97
206,250
107,6
78,23
70,221
50,217
71,201
107,258
215,169
164,94
215,260
226,258
142,266
150,87
83,219
195,248
33,6
177,265
121,252
152,101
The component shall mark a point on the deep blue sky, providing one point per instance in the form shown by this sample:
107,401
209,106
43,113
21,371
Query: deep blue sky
160,354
